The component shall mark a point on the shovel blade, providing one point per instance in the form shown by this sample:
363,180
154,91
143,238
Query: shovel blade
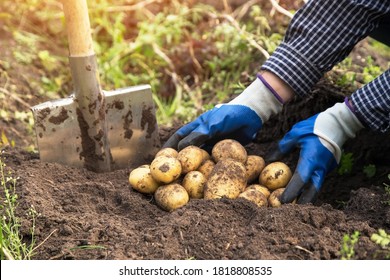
132,129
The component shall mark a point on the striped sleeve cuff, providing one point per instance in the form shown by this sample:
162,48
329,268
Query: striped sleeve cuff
372,103
293,68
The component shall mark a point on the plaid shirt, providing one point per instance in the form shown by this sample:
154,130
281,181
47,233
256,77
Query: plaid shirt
321,34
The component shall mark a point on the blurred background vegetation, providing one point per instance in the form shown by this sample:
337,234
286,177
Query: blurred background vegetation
193,53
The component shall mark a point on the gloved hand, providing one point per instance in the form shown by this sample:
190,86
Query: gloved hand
320,139
240,119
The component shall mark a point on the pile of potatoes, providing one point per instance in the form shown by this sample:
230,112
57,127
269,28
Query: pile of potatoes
175,177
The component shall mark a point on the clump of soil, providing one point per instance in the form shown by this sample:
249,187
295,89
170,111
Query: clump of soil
81,209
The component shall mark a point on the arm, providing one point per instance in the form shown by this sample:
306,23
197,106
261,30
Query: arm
371,103
321,34
321,137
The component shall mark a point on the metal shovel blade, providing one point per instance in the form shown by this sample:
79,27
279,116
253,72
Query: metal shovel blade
132,129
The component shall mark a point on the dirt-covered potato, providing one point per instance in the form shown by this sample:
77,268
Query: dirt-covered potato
275,175
274,198
170,197
167,152
190,158
141,180
254,195
228,179
264,190
165,169
205,155
194,182
229,148
254,165
206,167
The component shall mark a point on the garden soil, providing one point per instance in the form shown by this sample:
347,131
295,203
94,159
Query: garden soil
86,215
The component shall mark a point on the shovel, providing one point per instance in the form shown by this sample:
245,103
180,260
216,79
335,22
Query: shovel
94,129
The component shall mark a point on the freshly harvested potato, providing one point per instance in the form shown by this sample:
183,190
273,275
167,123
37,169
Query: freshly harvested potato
194,182
170,197
190,158
228,179
254,165
275,175
167,152
255,196
229,148
206,167
205,155
165,169
142,180
274,198
264,190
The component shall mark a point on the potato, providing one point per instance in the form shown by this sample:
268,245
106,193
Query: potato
170,197
165,169
167,152
264,190
254,165
205,155
275,175
142,180
254,195
194,182
229,148
274,198
190,158
206,167
228,179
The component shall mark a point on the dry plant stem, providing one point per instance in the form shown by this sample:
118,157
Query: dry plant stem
15,97
134,7
148,14
175,77
280,9
16,132
40,244
304,249
236,25
196,62
7,254
227,7
239,13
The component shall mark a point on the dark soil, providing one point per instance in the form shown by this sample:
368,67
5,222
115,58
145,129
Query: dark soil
82,209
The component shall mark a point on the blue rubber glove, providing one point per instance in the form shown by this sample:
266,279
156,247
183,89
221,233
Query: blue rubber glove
320,139
240,119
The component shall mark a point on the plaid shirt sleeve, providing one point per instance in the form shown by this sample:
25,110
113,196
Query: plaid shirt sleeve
321,34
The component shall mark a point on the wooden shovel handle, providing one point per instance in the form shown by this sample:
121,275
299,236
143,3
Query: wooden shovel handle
78,28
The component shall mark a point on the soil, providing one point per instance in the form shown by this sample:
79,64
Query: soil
88,215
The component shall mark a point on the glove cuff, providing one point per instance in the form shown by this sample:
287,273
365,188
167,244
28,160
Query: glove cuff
271,89
336,125
261,98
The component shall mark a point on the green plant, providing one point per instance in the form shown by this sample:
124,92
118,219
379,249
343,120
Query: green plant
4,141
12,245
346,164
370,71
369,170
160,51
383,240
347,251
